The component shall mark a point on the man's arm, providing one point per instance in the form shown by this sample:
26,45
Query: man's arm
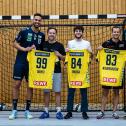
19,47
59,55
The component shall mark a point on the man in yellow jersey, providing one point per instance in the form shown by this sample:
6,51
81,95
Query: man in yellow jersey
78,43
52,45
116,44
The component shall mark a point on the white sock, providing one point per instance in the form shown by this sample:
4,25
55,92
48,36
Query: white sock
58,109
46,109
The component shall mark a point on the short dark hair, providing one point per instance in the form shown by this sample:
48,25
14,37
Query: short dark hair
51,28
116,27
79,27
38,14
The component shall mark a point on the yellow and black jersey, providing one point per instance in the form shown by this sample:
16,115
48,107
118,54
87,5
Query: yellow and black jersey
78,76
111,66
41,69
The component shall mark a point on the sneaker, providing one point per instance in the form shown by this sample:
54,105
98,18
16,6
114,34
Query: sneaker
100,115
28,115
84,115
13,115
115,115
124,117
44,115
59,115
68,115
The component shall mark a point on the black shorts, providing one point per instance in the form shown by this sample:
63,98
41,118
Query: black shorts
20,71
111,87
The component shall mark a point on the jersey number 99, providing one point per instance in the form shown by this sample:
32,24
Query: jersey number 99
41,63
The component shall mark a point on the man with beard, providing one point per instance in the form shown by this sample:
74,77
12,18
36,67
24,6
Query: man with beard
78,43
52,45
27,39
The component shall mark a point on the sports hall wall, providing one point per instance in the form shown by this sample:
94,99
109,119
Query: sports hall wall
96,35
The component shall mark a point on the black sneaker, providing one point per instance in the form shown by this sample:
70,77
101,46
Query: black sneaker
84,115
68,115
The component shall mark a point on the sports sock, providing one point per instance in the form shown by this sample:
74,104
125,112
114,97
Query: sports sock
14,102
28,104
58,109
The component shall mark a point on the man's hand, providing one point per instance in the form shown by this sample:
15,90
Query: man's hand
67,50
27,49
59,55
19,47
100,48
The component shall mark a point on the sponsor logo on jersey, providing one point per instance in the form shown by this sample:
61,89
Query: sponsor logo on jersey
47,54
29,37
40,83
112,51
76,83
76,53
110,80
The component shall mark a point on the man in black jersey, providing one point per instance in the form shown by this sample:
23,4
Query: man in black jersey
26,40
113,43
54,46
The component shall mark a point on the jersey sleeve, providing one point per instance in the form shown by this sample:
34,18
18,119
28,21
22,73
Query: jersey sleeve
29,56
68,45
66,58
42,42
98,56
19,37
62,50
89,48
105,44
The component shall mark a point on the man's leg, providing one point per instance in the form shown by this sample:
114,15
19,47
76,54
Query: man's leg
105,93
46,100
58,100
84,100
29,97
57,77
45,114
115,103
84,103
29,94
16,89
70,101
115,99
17,76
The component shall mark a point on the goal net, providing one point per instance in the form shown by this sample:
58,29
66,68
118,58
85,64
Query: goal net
96,31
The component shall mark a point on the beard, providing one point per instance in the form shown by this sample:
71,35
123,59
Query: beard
36,26
78,37
51,38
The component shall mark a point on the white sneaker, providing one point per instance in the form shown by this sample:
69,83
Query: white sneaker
100,115
28,115
115,115
13,115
